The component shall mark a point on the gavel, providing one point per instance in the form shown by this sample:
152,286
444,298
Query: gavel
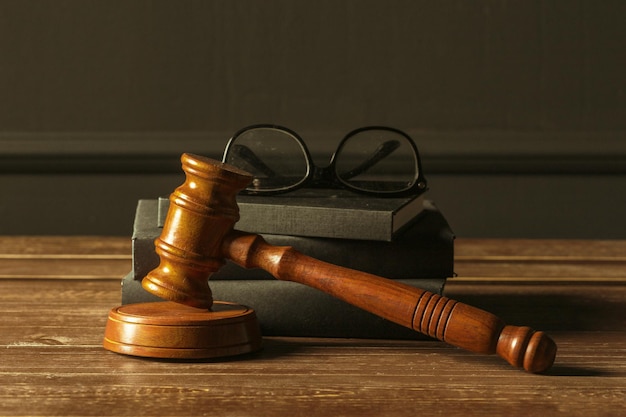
198,235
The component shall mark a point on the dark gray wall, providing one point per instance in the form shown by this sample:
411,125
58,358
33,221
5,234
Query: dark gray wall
518,107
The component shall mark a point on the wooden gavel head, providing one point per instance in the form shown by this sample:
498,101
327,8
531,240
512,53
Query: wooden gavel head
202,211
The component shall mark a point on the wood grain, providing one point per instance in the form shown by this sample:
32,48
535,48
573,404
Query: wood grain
540,260
52,363
73,257
521,260
59,368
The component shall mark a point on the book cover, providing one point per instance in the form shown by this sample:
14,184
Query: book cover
337,214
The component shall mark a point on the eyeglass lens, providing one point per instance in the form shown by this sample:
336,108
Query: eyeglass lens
377,160
273,156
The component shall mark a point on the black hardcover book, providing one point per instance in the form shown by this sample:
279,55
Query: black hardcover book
338,214
422,256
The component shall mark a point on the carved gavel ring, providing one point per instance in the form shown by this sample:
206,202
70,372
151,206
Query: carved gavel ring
198,235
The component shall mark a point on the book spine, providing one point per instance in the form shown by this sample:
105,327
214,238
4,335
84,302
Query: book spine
294,310
329,222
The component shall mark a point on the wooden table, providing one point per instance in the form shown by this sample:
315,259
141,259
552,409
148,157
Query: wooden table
55,294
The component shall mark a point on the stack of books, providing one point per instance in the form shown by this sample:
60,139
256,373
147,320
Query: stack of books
405,239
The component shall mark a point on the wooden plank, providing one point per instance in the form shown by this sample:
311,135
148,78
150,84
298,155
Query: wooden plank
65,268
521,260
540,260
315,378
571,249
75,257
52,362
66,246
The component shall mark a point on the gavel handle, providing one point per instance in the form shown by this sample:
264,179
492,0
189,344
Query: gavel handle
439,317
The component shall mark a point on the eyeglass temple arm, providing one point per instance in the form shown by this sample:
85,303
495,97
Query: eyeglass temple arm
384,150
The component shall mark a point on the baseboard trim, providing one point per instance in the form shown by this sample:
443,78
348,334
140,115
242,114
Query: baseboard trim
471,152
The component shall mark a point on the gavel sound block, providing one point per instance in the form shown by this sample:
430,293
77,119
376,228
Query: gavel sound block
198,235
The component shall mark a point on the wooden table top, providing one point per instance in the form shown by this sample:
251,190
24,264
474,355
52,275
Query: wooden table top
56,293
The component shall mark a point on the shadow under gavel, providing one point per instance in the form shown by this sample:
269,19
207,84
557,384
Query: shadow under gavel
198,235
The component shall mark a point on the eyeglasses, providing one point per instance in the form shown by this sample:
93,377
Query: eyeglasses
373,160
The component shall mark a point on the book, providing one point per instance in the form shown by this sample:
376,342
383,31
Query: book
338,214
422,256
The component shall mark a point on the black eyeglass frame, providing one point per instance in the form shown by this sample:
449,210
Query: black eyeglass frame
327,177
